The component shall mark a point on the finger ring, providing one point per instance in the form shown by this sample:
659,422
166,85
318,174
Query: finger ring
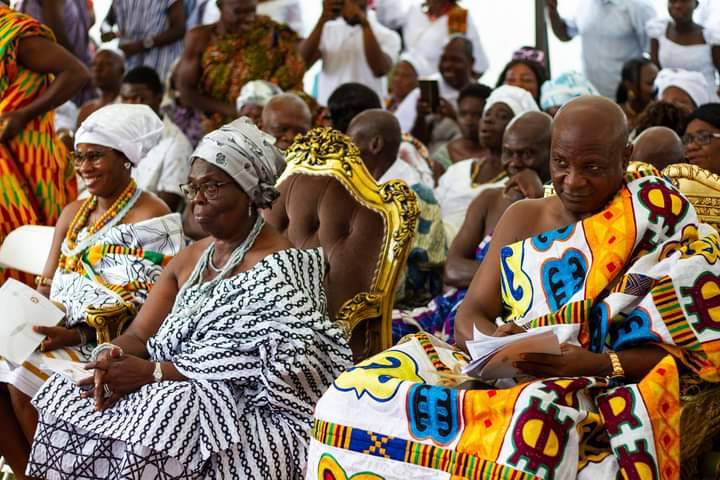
108,392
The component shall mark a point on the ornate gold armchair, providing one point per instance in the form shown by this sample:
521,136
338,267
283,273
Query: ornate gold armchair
698,460
110,322
329,199
701,187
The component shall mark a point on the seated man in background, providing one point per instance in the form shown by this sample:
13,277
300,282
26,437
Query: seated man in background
659,147
619,268
351,99
464,180
284,117
525,153
377,135
166,165
107,70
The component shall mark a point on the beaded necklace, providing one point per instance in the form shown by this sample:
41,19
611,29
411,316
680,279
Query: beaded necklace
71,250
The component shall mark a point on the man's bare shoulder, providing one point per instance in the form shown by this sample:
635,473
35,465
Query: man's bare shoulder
526,218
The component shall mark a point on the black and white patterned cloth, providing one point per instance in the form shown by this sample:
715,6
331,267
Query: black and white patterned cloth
259,352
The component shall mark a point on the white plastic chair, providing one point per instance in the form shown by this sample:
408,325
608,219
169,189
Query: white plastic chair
26,248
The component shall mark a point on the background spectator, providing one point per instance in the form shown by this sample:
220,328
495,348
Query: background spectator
612,33
353,46
637,87
679,42
219,59
150,32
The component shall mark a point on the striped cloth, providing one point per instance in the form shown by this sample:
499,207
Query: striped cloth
142,19
120,266
258,350
36,180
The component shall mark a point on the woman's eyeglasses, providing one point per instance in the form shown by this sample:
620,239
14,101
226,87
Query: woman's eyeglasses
701,138
208,189
93,157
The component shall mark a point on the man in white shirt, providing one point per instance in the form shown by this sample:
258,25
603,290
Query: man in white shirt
353,46
612,32
167,164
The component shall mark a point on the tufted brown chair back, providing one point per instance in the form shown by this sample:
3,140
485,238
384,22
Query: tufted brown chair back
329,200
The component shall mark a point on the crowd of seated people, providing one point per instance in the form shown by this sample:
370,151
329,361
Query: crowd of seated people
541,205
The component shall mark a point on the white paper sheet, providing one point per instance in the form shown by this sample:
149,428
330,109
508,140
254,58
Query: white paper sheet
493,356
22,307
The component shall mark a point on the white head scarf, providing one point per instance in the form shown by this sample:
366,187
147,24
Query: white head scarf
130,129
256,92
518,99
248,155
692,83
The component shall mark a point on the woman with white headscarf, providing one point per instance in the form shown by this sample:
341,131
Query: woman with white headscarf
108,250
465,179
218,375
685,89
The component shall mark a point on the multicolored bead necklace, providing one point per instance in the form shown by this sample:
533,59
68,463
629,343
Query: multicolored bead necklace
70,253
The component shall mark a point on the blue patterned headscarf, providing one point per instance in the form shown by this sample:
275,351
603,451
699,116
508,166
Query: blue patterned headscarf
248,155
560,90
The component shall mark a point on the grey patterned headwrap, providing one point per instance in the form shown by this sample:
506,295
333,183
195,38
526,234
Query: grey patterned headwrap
248,155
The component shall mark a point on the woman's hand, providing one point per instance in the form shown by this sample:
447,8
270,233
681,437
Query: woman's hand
116,375
10,124
57,337
573,361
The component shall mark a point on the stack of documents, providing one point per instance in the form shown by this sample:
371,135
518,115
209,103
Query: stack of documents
493,357
22,308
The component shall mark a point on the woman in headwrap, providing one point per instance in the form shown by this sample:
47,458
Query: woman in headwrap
557,92
218,375
253,98
404,79
702,138
684,89
107,252
465,179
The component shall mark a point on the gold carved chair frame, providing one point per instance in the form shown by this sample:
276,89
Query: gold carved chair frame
325,152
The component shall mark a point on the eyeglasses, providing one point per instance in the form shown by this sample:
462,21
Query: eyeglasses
208,189
93,157
701,138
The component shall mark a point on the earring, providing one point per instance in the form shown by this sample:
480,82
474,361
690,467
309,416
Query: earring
250,210
631,95
128,165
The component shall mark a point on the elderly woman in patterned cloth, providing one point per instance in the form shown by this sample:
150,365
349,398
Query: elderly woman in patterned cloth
107,252
218,375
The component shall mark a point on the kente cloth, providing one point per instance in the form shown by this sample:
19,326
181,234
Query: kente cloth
258,349
267,52
120,266
642,271
36,180
438,317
